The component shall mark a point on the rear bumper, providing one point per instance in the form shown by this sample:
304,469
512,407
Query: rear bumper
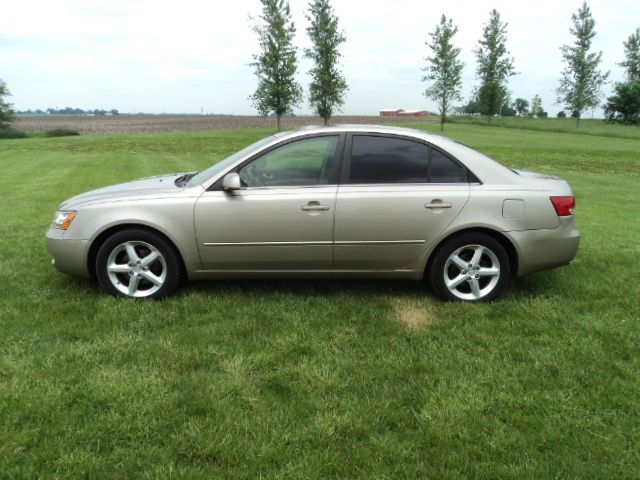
547,248
69,256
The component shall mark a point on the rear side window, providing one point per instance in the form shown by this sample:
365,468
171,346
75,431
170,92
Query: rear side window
396,160
388,160
444,170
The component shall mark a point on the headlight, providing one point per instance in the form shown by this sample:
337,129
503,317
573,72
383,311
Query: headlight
63,219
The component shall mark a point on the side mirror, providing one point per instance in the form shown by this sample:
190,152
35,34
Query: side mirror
231,181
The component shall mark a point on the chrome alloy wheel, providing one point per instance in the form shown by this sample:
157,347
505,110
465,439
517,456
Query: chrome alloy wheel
471,272
136,269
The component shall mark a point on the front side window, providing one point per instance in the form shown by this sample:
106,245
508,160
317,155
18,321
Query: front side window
300,163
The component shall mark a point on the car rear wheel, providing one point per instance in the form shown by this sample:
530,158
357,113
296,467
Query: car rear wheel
138,263
472,267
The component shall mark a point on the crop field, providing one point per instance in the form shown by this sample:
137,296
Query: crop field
110,125
320,379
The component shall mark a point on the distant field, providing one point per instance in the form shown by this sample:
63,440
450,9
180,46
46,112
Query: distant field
107,125
319,379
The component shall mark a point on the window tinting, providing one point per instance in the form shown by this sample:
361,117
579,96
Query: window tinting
388,160
299,163
445,170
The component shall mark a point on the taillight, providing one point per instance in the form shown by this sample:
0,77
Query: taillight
564,205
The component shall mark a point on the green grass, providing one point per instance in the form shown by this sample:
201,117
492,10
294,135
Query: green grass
319,379
595,127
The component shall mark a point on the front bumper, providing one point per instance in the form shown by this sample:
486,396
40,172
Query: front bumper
69,255
546,248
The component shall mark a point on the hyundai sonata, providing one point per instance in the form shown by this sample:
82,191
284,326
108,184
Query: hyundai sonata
344,201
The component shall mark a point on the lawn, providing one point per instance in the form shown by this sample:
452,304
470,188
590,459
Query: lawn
320,379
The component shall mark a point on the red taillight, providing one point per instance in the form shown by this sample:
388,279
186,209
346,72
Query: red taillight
564,205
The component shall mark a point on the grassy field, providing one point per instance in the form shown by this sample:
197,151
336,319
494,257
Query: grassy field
319,379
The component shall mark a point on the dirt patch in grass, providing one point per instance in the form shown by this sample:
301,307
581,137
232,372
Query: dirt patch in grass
414,314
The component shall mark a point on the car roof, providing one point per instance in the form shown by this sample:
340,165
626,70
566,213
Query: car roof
484,167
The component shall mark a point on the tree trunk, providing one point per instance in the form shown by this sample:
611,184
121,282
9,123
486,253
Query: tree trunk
442,122
578,120
279,117
326,121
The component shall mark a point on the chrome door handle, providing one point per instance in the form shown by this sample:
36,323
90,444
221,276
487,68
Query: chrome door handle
314,208
437,205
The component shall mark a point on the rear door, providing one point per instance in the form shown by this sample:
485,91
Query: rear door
395,198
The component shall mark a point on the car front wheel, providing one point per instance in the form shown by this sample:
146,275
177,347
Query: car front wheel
472,267
138,263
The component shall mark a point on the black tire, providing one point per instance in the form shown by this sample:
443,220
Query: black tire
152,270
478,283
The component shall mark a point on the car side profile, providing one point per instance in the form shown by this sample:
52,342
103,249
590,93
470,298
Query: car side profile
344,201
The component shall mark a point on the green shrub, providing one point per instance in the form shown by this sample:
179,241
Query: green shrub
11,133
61,132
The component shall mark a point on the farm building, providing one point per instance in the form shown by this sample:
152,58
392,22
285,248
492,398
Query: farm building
399,112
391,112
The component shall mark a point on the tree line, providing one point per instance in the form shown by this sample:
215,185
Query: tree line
278,92
580,85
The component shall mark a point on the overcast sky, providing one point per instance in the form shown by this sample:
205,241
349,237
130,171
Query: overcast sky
175,57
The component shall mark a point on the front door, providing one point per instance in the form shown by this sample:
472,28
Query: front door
282,218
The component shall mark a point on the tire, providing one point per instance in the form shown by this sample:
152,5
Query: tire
138,263
470,267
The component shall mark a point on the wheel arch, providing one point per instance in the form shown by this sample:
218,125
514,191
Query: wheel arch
512,253
106,233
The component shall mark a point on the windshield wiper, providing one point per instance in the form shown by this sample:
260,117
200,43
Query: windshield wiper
182,180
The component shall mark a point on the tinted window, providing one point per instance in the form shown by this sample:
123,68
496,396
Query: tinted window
445,170
388,160
299,163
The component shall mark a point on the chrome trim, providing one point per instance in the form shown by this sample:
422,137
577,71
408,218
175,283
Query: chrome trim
381,242
307,244
267,244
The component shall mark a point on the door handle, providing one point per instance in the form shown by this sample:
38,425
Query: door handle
437,205
314,207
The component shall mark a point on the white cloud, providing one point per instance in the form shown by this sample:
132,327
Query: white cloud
160,56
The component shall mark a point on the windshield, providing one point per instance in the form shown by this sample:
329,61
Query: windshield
204,175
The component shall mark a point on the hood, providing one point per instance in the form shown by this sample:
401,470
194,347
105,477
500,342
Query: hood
161,185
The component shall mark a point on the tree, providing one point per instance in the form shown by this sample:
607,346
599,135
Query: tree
536,106
507,110
6,113
494,66
276,64
522,107
444,68
561,114
581,80
624,106
328,86
472,107
632,54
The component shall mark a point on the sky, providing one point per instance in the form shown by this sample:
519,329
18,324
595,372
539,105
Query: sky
193,56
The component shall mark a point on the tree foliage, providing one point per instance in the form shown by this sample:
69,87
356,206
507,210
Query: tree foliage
581,79
522,106
276,65
495,66
328,85
536,107
632,57
443,68
624,105
6,113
